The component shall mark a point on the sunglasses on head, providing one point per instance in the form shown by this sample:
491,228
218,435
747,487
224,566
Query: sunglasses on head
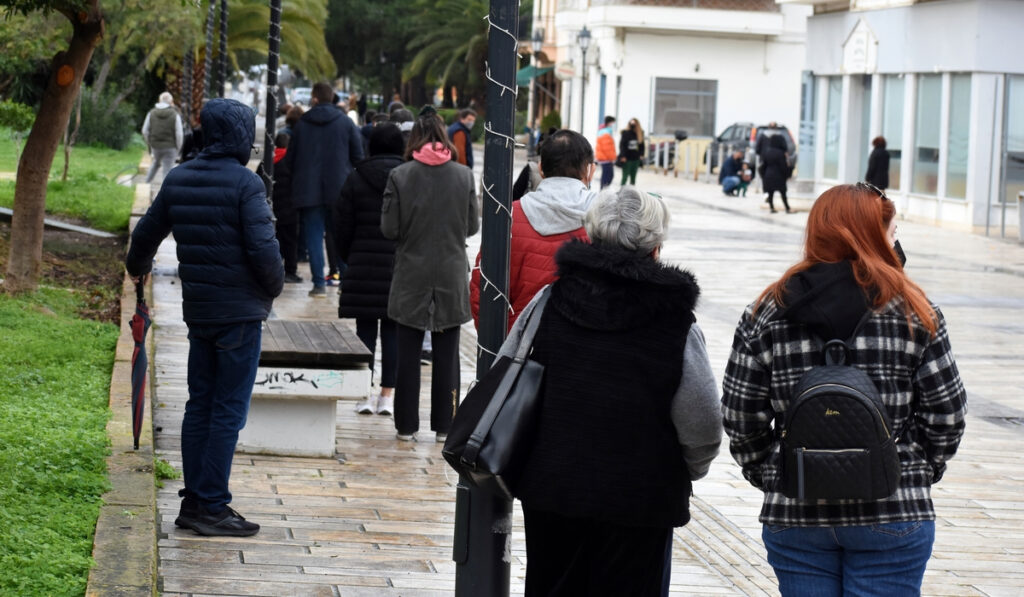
871,187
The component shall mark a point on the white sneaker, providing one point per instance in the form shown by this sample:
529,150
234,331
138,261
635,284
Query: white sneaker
368,406
386,405
440,438
405,437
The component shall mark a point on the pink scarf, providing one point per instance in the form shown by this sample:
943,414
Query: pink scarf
432,154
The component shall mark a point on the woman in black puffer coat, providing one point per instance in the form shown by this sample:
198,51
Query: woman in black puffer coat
775,171
370,257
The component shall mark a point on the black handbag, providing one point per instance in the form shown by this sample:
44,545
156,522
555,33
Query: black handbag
492,432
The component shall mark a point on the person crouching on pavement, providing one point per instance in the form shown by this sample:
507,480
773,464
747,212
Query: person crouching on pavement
729,173
230,267
630,414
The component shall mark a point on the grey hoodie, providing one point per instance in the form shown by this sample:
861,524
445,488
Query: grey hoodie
557,205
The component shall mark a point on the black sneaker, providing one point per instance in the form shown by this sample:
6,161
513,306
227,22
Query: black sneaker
292,278
426,357
224,524
188,513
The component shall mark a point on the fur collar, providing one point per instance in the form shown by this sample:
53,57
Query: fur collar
601,286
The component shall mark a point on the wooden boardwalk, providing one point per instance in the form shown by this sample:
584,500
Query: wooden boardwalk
378,519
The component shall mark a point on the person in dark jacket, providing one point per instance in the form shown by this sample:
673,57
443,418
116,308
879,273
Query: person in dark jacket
729,173
461,135
775,171
631,150
850,280
325,144
430,210
628,422
287,225
230,268
878,164
370,258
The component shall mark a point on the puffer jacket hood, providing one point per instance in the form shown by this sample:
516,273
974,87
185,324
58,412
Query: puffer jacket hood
606,287
322,114
229,129
827,298
557,205
375,170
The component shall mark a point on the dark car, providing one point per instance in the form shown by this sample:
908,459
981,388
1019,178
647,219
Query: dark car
744,136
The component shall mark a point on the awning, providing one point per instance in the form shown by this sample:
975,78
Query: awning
527,73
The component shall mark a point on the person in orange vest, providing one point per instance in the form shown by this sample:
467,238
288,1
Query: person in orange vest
460,134
605,151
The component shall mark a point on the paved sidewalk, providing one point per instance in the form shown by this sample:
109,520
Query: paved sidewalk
378,518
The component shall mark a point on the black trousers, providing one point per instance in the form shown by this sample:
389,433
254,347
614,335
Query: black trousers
444,385
288,238
582,557
366,329
771,203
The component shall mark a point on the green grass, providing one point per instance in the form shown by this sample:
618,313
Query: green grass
91,192
53,444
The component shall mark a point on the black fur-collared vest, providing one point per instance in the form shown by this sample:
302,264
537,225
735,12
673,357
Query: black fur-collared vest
611,339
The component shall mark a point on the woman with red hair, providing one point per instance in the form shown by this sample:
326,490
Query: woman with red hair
850,284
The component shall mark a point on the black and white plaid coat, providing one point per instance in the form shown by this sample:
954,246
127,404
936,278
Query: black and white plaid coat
915,374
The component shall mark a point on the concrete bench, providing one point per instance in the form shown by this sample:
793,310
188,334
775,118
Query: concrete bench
305,368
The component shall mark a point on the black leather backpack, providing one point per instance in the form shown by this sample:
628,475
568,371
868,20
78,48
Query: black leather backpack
838,440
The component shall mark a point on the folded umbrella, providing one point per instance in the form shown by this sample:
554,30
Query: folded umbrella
140,325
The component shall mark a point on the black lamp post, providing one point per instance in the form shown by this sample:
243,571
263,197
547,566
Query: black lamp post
583,39
537,43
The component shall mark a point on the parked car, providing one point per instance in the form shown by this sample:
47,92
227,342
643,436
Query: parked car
744,135
301,96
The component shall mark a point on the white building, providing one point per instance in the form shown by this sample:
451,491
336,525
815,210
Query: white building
942,81
695,65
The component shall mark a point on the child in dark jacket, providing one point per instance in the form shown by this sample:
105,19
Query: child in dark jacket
287,228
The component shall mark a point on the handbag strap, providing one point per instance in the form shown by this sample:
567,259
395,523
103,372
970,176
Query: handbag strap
483,427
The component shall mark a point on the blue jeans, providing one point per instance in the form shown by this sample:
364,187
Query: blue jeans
222,362
729,184
607,173
313,239
883,560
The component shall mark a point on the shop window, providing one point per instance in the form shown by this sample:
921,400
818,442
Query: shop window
808,123
892,125
1014,158
926,142
959,129
685,104
835,96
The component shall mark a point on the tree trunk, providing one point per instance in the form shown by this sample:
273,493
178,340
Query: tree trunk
68,67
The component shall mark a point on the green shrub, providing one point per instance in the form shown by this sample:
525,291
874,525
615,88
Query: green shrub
99,127
17,117
551,120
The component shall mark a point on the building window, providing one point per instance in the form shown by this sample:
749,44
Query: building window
684,104
835,97
866,134
959,129
926,142
1014,158
892,125
808,124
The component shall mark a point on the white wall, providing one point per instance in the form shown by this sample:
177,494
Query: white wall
758,80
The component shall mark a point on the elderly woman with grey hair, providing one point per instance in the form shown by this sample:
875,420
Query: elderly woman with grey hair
630,414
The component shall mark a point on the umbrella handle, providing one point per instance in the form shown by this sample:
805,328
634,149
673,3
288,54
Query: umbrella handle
140,291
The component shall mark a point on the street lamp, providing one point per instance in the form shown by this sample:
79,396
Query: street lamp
583,39
537,43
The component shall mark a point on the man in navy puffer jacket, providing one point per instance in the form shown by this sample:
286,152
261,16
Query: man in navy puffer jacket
230,268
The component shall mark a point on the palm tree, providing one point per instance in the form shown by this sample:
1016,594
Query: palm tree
302,34
452,48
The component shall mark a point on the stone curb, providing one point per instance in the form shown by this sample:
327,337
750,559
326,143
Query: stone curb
124,546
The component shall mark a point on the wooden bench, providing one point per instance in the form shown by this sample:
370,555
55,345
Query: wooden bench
305,368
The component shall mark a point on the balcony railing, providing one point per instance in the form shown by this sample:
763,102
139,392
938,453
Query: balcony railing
751,5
